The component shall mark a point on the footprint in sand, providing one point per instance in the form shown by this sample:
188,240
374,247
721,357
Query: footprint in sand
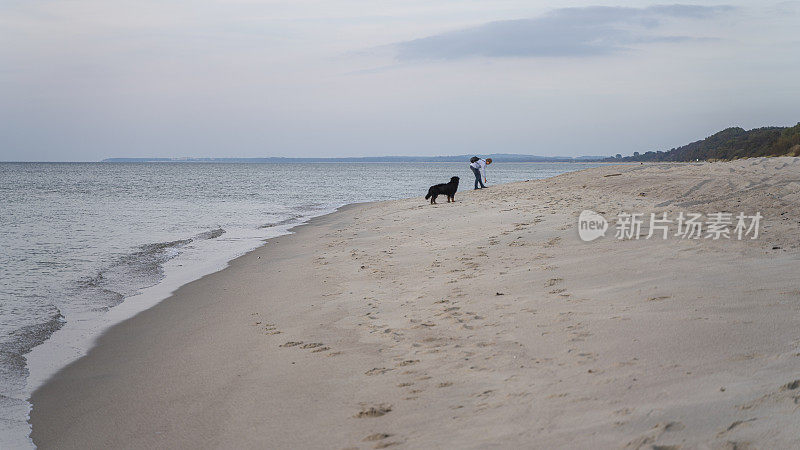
653,435
376,437
291,344
271,328
734,425
407,362
790,386
313,345
788,391
374,411
552,242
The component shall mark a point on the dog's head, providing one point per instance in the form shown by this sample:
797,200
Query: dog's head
454,180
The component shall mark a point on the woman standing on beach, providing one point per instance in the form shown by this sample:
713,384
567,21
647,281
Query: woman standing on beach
478,167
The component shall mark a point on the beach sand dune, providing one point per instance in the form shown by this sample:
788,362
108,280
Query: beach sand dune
482,323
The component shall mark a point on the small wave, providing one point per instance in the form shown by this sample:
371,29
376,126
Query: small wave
149,249
27,337
306,210
128,274
211,234
91,282
291,219
13,369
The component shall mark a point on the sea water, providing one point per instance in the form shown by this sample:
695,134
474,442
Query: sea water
86,245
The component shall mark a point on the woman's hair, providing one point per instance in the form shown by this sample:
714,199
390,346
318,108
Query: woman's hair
488,160
473,159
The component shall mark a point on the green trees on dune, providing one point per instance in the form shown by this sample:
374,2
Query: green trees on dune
789,141
730,143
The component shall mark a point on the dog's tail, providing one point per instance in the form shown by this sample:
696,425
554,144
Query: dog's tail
430,193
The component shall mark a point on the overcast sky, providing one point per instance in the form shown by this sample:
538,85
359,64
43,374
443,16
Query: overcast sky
89,79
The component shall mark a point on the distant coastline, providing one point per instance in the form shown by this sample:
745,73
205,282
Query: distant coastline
729,144
499,157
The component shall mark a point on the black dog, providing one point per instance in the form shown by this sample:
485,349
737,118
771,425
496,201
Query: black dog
448,189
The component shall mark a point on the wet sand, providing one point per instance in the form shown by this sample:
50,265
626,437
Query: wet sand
483,323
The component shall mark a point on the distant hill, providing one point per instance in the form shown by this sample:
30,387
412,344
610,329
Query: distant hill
731,143
498,157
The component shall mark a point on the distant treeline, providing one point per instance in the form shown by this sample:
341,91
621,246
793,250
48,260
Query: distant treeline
498,157
731,143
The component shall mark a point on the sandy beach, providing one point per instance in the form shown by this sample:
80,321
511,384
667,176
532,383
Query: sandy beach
485,323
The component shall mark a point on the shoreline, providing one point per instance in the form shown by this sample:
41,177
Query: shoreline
405,324
44,367
74,340
132,319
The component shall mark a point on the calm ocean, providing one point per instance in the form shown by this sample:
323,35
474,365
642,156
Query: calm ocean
84,245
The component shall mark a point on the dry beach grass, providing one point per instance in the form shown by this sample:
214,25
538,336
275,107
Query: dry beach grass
482,323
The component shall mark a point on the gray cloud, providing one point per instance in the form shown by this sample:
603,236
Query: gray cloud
576,32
